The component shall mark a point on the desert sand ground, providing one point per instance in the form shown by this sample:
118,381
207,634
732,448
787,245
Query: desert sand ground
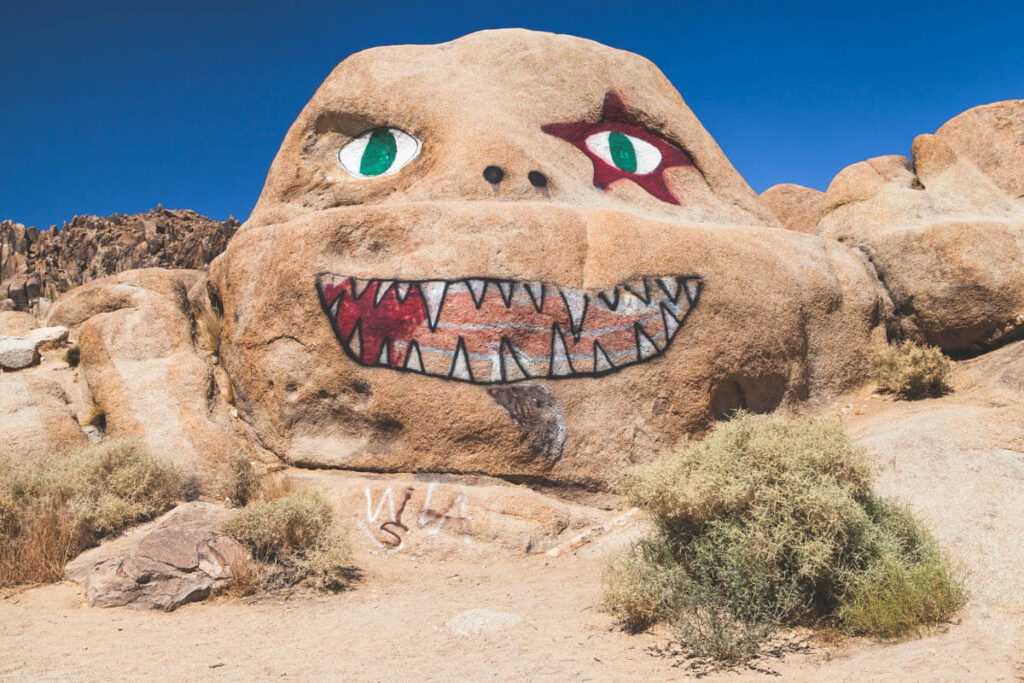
957,460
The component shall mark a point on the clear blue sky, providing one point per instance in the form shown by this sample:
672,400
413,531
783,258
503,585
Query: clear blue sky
116,106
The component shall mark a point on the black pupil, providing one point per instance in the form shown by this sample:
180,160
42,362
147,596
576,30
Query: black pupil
537,179
493,174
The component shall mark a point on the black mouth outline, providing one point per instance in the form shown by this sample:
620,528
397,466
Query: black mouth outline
689,288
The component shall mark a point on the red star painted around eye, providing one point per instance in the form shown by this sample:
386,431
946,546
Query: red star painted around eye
614,117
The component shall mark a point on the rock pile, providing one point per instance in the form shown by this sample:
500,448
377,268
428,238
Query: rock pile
38,264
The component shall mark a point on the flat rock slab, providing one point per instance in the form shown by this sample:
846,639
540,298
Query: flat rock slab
181,557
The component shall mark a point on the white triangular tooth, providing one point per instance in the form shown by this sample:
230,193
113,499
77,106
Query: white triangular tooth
645,348
638,288
335,306
506,289
355,342
576,305
560,366
413,359
402,291
513,370
536,292
359,287
460,363
692,289
671,322
631,304
670,285
382,288
433,298
609,298
384,357
601,361
477,288
496,368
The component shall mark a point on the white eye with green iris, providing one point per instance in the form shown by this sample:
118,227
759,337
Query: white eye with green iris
377,152
625,152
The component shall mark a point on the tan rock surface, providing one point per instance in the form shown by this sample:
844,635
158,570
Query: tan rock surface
772,317
17,323
35,417
948,243
444,516
141,367
796,207
992,138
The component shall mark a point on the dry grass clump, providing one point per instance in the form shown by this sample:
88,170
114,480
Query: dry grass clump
293,538
237,480
54,507
911,370
771,521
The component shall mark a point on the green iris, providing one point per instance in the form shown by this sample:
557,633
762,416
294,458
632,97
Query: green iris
622,151
380,153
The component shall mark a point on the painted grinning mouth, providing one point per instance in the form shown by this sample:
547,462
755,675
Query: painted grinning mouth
491,331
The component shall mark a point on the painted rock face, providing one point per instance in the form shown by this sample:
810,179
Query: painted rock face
519,254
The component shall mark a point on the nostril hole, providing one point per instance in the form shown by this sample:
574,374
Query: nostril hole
538,179
494,174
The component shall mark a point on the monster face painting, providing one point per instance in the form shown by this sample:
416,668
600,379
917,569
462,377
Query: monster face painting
518,254
489,331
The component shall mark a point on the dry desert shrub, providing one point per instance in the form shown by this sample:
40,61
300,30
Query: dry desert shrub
771,521
54,507
911,370
293,538
237,480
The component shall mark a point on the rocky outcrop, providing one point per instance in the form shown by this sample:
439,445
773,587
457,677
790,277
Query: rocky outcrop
411,313
797,207
947,240
181,557
141,366
36,263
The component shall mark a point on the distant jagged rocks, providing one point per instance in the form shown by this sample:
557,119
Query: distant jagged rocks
37,265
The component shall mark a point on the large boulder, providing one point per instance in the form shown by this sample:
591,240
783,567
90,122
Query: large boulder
946,240
35,417
796,207
181,557
142,368
992,138
17,353
520,253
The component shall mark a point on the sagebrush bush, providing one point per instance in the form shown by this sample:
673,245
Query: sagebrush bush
772,521
911,370
55,506
293,538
